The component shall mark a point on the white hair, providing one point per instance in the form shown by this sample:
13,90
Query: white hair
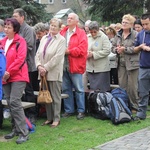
75,15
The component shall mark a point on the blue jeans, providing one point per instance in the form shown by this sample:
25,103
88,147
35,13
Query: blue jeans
71,81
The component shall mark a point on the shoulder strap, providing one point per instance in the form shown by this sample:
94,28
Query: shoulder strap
124,106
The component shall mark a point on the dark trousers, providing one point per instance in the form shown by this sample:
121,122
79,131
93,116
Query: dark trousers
30,97
1,113
114,76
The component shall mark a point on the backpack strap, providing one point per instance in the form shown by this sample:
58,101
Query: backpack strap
124,105
115,108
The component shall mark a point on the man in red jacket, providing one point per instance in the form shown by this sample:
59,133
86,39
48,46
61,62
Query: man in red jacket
74,66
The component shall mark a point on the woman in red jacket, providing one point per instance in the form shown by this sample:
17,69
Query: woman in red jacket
15,77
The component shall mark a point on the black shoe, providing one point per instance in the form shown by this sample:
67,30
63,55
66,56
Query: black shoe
10,135
136,118
22,139
80,116
66,115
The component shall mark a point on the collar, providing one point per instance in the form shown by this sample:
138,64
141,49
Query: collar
147,31
73,31
55,36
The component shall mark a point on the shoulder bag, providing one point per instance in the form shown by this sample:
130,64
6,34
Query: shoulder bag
44,96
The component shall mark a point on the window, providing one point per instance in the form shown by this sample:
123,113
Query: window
51,1
63,1
38,1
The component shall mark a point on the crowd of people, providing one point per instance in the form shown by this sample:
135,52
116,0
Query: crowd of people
71,57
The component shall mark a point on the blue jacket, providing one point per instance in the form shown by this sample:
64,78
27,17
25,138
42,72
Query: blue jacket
144,37
2,69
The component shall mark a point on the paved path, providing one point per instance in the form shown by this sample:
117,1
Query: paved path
139,140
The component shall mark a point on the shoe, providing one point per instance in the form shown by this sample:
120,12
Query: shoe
55,125
47,122
136,118
22,139
66,115
10,135
80,116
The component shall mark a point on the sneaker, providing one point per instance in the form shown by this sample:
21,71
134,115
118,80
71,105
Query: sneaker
21,139
66,115
80,116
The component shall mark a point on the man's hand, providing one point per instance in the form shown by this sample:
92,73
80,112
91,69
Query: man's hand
67,52
146,48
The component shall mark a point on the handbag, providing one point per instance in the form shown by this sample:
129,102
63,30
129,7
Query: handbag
44,96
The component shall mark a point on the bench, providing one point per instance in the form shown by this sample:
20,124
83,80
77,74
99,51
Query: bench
25,105
62,95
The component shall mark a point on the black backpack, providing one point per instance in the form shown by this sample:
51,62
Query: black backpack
119,111
98,104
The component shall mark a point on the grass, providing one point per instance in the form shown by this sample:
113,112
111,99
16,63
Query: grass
72,134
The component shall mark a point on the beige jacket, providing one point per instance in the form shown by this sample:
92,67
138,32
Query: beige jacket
54,57
100,47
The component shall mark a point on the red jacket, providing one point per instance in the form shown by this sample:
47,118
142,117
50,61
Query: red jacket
78,46
15,59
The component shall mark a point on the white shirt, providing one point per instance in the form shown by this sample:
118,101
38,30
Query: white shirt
69,34
8,42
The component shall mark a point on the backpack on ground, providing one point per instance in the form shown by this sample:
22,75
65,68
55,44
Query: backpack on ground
98,104
119,111
121,93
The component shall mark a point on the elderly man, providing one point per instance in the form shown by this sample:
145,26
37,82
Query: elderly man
74,66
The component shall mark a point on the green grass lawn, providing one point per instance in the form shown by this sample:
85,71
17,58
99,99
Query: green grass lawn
72,134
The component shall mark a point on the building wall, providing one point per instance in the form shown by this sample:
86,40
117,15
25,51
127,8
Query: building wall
78,6
58,5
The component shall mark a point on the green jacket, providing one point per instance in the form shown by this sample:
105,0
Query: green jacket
129,57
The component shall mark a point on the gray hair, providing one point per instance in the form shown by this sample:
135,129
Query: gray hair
93,25
56,20
39,27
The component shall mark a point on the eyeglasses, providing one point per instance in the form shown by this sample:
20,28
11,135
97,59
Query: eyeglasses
125,22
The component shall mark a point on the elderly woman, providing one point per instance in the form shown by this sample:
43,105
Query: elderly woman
98,70
15,77
123,45
49,61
